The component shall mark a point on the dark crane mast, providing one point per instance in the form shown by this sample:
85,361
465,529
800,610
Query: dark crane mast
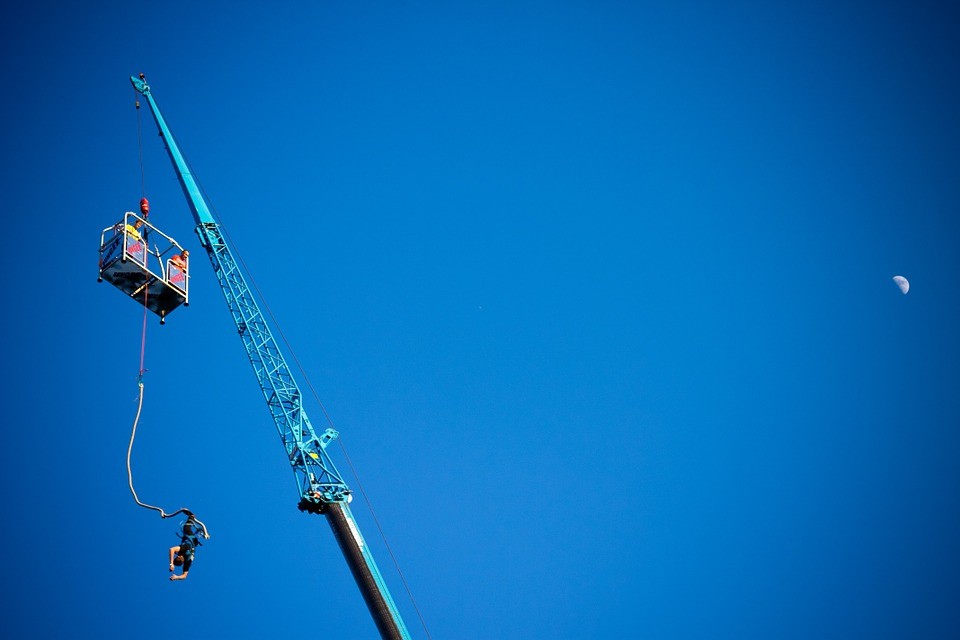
321,487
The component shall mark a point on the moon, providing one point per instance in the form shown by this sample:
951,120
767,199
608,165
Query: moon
903,283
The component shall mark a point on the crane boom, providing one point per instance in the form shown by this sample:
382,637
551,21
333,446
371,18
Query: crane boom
321,487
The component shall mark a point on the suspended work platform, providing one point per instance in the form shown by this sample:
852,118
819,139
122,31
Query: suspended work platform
156,278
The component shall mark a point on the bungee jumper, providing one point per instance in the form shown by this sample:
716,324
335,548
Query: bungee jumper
192,529
182,555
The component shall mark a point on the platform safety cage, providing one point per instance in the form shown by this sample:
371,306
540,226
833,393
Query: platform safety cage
147,274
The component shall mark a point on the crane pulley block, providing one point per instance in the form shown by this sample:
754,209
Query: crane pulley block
157,278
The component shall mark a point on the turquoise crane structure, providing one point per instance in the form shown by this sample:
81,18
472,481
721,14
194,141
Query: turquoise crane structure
322,489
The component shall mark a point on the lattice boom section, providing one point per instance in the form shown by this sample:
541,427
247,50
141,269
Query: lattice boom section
313,469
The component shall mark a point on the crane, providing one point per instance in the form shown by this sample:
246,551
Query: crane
321,488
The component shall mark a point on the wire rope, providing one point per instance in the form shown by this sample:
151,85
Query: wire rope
317,399
383,536
143,183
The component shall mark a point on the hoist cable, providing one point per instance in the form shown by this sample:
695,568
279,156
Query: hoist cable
316,397
143,184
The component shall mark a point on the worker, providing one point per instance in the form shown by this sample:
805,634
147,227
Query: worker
182,554
180,261
177,270
137,241
133,230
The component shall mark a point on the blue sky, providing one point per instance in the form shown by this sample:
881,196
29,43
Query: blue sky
598,295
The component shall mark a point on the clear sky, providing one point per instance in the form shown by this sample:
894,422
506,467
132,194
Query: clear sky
598,294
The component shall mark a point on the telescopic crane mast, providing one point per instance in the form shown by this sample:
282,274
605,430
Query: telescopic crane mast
321,487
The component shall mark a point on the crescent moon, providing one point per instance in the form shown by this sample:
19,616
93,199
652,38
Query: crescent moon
903,283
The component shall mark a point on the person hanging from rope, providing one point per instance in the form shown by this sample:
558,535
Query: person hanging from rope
183,553
192,529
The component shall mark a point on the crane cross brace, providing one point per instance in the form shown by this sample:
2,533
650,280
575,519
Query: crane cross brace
315,473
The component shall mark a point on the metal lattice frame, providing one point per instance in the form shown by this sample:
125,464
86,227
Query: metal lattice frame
316,475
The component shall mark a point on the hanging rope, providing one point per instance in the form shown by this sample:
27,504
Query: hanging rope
136,422
133,435
136,419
